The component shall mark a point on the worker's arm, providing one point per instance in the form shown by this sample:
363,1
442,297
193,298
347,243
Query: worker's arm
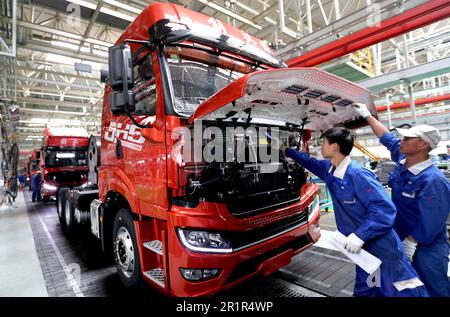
377,127
434,207
387,138
381,211
315,166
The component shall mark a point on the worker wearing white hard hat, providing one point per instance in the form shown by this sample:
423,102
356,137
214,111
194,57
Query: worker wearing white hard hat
421,194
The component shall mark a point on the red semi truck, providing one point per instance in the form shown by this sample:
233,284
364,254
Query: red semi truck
63,161
197,226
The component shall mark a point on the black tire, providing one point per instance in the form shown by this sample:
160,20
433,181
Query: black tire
45,199
125,250
61,204
68,215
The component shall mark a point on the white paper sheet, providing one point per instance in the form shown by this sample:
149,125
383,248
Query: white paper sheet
363,259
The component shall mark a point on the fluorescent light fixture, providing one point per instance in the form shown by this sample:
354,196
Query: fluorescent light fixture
99,42
100,53
123,6
70,46
55,95
117,14
39,120
110,12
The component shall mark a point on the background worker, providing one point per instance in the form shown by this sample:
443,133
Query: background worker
447,156
364,214
421,194
36,186
22,179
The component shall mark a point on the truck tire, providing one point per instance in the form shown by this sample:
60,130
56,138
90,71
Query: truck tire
125,250
68,215
61,204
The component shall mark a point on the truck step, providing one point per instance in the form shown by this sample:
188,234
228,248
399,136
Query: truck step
156,275
155,246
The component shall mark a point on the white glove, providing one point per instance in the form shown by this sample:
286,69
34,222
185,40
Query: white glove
362,110
353,243
410,248
277,144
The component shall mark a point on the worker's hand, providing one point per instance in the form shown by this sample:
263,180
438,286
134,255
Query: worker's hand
353,243
410,248
276,143
362,110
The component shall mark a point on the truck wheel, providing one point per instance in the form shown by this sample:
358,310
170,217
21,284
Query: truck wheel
69,219
61,204
125,250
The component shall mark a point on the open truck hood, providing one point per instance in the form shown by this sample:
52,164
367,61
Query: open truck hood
288,96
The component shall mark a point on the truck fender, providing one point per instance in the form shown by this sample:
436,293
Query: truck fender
116,180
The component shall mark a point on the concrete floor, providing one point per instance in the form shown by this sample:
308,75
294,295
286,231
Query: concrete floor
20,269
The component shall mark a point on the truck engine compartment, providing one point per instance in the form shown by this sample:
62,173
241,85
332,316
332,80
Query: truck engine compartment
248,187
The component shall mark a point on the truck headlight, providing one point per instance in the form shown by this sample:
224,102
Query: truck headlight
50,187
203,241
313,208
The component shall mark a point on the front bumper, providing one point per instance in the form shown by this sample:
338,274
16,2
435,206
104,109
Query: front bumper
50,189
265,257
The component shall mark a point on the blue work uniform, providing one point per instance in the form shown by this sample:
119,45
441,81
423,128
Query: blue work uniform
36,186
422,197
362,207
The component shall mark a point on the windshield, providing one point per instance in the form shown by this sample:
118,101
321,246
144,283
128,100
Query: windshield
197,74
35,165
58,158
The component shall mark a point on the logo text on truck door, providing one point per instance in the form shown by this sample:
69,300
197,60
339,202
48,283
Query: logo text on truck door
130,135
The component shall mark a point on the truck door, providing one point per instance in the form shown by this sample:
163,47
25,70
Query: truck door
142,160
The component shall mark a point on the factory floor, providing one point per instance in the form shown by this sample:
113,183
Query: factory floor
37,259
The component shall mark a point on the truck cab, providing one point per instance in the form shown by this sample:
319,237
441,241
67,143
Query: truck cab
190,196
63,161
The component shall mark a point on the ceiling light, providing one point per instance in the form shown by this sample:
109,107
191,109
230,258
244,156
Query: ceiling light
123,6
103,10
83,4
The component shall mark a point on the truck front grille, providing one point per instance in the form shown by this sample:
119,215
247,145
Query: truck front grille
241,240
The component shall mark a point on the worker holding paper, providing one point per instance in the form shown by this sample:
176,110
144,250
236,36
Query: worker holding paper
364,214
421,194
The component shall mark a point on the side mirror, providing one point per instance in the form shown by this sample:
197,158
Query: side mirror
104,75
118,100
121,77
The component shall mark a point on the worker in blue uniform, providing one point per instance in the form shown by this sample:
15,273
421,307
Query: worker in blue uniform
36,186
364,214
447,156
421,194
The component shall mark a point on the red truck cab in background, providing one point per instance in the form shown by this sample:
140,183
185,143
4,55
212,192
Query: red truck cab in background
63,161
188,227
